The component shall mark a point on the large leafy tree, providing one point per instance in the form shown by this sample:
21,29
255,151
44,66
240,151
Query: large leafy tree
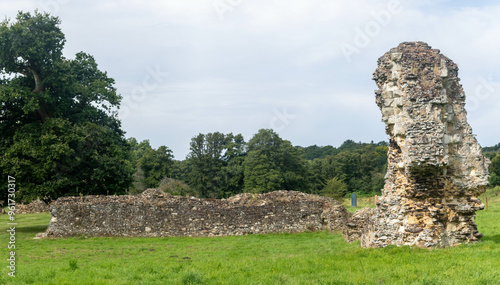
233,171
274,164
215,161
60,132
151,165
261,173
206,159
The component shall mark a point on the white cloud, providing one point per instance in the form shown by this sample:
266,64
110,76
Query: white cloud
232,75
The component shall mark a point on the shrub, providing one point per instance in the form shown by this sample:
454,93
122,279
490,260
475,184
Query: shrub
493,192
176,187
138,185
335,188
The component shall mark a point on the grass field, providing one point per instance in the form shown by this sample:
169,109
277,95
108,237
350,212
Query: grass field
307,258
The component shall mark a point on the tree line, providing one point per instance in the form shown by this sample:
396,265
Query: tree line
221,165
60,136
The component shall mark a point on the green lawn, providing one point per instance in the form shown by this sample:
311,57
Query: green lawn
307,258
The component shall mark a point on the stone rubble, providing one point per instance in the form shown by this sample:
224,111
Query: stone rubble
36,206
357,222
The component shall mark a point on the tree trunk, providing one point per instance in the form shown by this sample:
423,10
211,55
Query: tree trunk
42,110
38,82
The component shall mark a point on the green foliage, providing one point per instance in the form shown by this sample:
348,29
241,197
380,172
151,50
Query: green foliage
156,164
494,179
138,184
151,165
32,46
335,188
490,155
233,170
181,170
378,181
493,193
60,133
361,166
350,145
176,187
206,160
220,165
193,278
73,264
215,163
274,164
491,152
493,149
58,158
261,173
495,170
314,151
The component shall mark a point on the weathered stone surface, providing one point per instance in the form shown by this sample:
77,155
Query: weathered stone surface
435,166
37,206
156,214
357,223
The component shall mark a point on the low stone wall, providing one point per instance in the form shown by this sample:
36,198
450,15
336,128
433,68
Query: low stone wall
37,206
156,214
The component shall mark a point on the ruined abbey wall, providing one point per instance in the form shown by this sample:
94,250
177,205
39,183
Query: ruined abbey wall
156,214
436,169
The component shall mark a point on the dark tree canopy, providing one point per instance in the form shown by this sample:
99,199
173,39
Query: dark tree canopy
361,166
59,126
223,165
274,164
151,165
215,163
495,170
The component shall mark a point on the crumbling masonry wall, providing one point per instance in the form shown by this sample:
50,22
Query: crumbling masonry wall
436,169
36,206
156,214
357,223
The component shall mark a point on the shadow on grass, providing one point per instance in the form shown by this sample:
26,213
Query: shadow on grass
31,230
495,238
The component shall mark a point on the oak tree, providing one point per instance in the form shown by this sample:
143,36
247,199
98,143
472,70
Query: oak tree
58,120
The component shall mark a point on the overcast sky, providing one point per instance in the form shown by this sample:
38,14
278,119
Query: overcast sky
301,67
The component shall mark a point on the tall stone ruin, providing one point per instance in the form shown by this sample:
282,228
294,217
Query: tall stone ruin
436,169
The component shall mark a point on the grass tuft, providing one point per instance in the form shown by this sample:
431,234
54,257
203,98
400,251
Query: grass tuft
73,265
193,278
